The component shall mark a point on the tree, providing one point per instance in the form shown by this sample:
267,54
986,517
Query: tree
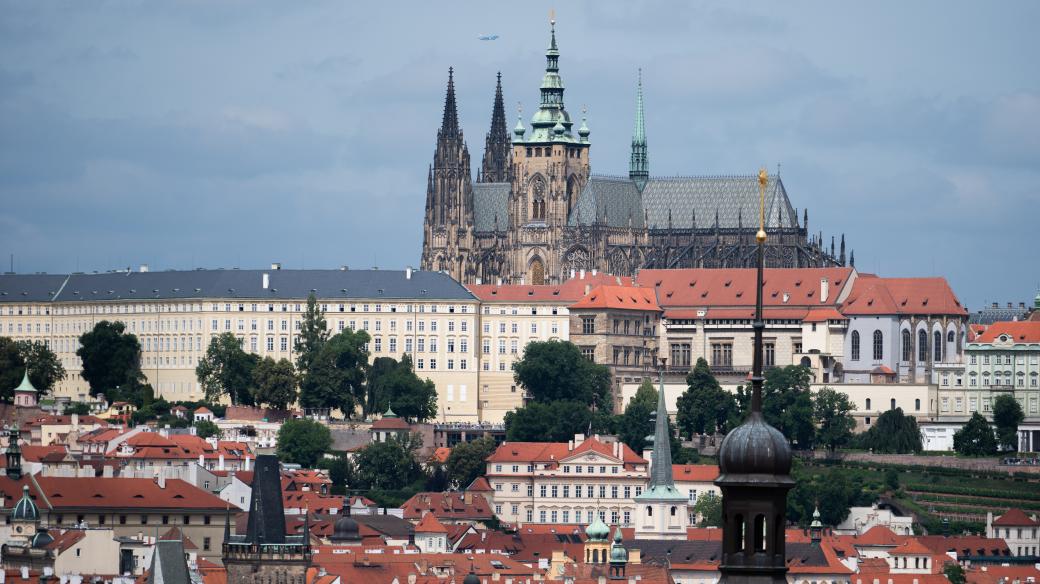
206,428
709,509
893,433
341,472
313,335
467,461
11,368
705,408
975,438
78,408
274,383
556,370
389,465
892,479
638,422
393,383
834,420
556,421
226,369
112,363
954,572
336,376
787,404
833,492
303,442
1007,415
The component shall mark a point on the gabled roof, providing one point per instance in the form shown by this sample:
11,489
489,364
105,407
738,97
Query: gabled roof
1015,517
429,524
480,485
568,292
116,493
695,472
554,452
879,535
619,298
735,287
51,453
872,295
911,547
1017,332
448,506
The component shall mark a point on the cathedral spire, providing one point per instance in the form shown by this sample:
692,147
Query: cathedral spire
551,122
497,166
639,163
450,121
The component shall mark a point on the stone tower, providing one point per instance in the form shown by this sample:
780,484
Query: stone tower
661,510
447,233
639,162
266,554
497,166
550,169
754,474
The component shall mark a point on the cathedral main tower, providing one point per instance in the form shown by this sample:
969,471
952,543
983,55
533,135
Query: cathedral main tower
550,169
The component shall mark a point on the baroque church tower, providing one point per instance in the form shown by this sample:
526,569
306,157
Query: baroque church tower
498,161
447,233
550,168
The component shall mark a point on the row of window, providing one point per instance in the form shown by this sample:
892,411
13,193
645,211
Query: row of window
515,310
228,307
564,491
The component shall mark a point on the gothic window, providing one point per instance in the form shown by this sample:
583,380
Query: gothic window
907,350
938,347
537,272
879,346
538,199
572,186
760,533
855,345
922,345
949,337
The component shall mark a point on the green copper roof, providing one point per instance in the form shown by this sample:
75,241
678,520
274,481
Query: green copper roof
597,530
26,385
551,115
662,486
389,412
618,553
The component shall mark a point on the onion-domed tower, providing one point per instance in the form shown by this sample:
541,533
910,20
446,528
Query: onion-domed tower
754,477
597,538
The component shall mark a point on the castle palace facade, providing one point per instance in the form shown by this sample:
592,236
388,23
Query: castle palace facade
536,215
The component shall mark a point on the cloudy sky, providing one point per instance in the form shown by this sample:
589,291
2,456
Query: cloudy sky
220,134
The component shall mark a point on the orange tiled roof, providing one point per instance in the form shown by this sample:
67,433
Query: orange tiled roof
695,472
429,524
896,296
553,452
570,291
52,453
735,287
620,298
116,493
448,506
1019,332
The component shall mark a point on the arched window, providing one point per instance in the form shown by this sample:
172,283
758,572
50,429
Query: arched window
892,404
879,345
917,405
949,337
907,349
738,533
673,511
938,349
805,362
868,404
855,345
649,511
760,533
922,345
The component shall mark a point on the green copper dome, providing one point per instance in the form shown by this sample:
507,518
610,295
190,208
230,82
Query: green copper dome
26,385
25,510
597,531
618,553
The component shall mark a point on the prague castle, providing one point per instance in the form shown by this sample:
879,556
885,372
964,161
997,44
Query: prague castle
535,213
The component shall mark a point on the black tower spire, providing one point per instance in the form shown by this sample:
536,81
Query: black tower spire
450,121
14,454
497,165
755,468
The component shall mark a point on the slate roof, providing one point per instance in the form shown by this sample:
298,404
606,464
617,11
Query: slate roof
731,196
244,284
489,200
168,564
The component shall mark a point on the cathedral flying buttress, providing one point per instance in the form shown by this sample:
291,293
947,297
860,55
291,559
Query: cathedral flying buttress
536,215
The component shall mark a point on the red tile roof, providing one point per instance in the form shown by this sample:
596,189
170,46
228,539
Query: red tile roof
619,298
1015,517
429,524
823,314
1018,332
695,472
118,493
480,485
911,547
966,545
568,292
66,539
553,452
52,453
448,506
393,423
897,296
736,286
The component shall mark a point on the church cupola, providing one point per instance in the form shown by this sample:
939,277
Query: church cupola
551,122
639,163
597,538
754,471
618,557
14,454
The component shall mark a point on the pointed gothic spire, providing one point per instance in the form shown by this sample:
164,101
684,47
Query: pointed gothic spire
450,121
842,258
496,166
639,163
852,258
661,465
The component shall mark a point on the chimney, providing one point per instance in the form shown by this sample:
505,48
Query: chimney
588,288
594,270
572,272
499,282
246,465
825,289
276,265
202,461
581,274
1009,305
160,479
25,572
220,462
266,281
996,305
786,297
479,281
1022,305
408,273
143,269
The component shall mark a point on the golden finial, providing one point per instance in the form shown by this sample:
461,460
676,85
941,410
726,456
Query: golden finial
763,176
552,16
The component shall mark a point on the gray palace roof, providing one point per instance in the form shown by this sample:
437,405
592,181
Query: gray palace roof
245,284
491,200
730,196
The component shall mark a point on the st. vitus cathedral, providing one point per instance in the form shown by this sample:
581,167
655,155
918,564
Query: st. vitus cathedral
536,215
